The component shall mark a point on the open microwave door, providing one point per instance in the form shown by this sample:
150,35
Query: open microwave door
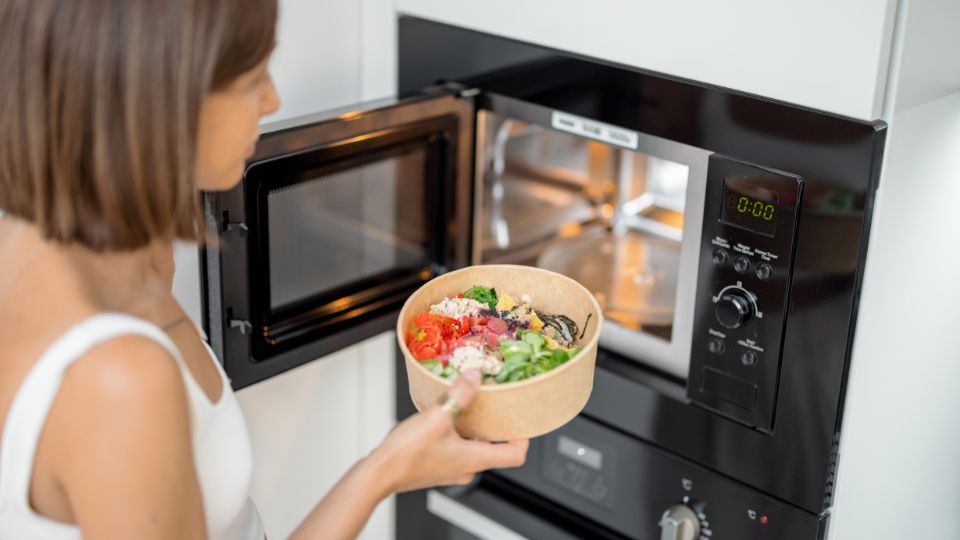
337,220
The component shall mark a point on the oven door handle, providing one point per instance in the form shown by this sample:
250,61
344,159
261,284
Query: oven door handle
470,520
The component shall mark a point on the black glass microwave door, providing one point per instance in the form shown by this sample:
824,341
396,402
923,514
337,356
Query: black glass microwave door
345,232
338,220
352,227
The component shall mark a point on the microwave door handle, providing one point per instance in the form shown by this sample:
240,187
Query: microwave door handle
467,519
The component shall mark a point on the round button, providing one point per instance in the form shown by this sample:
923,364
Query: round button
716,346
764,271
720,256
741,264
748,358
734,308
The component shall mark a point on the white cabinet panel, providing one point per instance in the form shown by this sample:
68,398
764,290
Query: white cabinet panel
305,430
316,64
186,282
378,75
378,404
900,444
930,65
308,426
819,53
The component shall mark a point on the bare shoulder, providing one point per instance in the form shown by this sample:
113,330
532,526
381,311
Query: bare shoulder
125,392
126,370
118,441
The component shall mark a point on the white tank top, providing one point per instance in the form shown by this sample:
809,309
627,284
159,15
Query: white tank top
221,446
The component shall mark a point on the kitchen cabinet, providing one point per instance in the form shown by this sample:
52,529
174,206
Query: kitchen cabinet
819,53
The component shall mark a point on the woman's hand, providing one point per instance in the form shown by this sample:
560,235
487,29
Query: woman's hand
425,450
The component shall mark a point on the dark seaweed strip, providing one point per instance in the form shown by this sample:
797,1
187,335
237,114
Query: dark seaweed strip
585,324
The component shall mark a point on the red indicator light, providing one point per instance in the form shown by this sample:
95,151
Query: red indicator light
763,520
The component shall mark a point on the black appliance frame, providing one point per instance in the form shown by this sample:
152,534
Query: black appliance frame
838,157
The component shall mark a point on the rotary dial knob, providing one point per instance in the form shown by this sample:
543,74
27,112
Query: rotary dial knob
734,308
679,522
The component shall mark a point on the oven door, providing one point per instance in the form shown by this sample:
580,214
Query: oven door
337,221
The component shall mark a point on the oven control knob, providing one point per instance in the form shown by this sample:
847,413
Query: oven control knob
679,522
734,308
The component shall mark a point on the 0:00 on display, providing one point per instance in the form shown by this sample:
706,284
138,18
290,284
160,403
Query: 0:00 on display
756,208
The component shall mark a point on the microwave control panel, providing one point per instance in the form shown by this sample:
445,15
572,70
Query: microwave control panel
746,262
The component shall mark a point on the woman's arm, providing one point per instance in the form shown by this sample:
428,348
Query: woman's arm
425,450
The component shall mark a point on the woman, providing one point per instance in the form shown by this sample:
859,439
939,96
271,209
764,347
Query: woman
117,421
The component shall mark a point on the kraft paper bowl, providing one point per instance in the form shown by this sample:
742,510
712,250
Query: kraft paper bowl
526,408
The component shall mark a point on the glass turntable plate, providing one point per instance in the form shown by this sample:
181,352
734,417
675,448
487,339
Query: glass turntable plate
632,274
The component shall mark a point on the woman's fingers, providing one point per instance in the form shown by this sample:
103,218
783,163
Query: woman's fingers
484,455
462,392
465,480
465,387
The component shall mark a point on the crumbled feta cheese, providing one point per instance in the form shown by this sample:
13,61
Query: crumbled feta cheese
457,307
467,357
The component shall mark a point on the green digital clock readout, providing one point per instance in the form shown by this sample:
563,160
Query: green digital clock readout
760,209
749,206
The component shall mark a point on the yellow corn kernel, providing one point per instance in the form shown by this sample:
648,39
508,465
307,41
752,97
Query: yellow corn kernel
535,322
552,345
505,303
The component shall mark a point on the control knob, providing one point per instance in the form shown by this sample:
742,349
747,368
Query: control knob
734,308
679,522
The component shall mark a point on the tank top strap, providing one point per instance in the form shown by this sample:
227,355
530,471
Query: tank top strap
31,405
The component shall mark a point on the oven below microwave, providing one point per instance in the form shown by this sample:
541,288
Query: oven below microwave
593,479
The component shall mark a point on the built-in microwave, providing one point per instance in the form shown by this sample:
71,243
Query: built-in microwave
690,251
723,234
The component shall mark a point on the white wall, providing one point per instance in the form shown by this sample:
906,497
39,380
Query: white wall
899,471
331,54
824,54
309,425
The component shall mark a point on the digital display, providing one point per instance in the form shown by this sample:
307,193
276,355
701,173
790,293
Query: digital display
749,206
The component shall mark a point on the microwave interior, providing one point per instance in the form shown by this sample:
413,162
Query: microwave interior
624,222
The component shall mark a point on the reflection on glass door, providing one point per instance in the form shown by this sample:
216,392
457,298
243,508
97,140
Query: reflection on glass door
347,226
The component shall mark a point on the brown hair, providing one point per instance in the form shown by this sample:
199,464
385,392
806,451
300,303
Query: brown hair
99,107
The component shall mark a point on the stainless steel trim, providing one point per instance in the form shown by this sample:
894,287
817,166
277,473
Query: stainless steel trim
467,518
321,116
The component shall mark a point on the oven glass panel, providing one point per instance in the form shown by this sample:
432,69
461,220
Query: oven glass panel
347,225
609,217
